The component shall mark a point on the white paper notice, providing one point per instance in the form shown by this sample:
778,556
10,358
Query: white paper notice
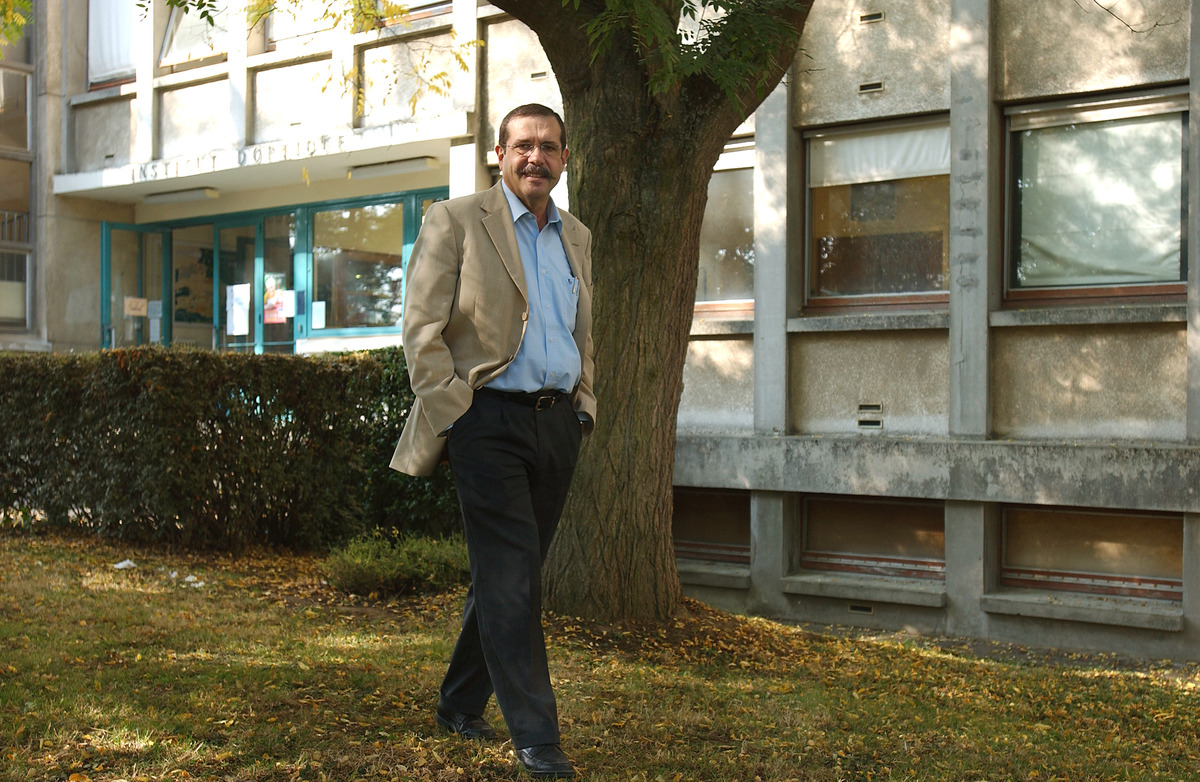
318,314
289,303
136,307
237,310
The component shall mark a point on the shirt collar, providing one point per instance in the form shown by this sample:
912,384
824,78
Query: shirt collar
517,208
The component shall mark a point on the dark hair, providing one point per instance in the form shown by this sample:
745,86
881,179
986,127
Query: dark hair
531,110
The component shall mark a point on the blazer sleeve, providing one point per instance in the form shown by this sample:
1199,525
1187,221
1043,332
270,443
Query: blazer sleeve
429,294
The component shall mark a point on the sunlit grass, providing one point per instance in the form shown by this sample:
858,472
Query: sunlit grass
265,673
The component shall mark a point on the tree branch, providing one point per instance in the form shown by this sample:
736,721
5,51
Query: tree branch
1160,22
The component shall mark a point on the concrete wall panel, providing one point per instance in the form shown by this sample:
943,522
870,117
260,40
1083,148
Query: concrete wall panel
718,386
1061,47
900,45
905,373
197,118
516,72
299,100
105,133
396,72
1113,381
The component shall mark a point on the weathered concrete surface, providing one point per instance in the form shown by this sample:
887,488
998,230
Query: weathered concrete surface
1134,476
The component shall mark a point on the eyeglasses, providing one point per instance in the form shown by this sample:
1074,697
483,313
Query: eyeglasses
525,149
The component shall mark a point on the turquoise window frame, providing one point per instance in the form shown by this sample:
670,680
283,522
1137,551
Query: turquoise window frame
302,259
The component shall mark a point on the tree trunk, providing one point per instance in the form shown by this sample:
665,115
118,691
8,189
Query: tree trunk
638,170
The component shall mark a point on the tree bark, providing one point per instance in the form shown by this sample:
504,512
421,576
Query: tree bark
639,169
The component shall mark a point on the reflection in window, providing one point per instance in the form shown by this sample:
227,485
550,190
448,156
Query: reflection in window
1097,203
727,238
190,36
358,270
879,212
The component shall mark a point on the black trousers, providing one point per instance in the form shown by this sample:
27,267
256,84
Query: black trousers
512,467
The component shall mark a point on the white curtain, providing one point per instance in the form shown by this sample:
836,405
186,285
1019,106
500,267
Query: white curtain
110,39
879,156
1101,203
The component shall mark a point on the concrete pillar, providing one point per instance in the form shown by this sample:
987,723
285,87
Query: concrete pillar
771,516
145,58
1191,584
1193,237
975,195
972,559
468,168
239,83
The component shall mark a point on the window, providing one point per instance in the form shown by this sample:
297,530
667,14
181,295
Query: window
14,108
15,241
880,537
1097,200
190,37
726,271
110,40
358,269
1114,553
878,216
298,19
712,525
14,271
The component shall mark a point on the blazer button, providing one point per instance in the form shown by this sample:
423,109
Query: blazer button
525,316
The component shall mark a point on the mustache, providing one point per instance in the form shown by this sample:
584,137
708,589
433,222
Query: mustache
532,169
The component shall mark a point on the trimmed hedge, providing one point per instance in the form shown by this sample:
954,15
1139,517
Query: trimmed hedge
213,450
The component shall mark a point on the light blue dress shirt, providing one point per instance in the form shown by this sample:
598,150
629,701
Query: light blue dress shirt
548,357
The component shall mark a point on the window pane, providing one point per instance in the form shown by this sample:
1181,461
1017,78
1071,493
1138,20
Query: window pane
110,40
14,201
712,524
292,20
1099,203
1116,553
13,270
192,286
189,36
358,266
14,109
874,536
882,237
727,238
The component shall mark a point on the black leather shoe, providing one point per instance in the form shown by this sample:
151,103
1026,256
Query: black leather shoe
545,761
469,726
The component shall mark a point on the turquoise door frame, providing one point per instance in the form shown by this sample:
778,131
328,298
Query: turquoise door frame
301,245
107,327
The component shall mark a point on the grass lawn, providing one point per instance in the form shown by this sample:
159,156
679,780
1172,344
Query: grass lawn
193,667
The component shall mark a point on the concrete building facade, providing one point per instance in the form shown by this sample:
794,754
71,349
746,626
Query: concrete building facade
944,371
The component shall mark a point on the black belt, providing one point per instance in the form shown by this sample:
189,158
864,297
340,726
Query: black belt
538,400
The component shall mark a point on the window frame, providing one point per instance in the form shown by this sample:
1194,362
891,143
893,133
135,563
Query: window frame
1059,113
815,304
738,155
860,563
1078,581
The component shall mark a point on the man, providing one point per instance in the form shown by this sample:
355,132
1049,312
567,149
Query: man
497,337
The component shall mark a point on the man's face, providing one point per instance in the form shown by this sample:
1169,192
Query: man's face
533,159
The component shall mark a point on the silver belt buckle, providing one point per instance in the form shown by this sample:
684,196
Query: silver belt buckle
545,402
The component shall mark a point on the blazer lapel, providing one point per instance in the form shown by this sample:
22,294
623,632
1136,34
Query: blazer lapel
499,225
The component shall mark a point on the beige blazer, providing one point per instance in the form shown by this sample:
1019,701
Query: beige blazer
465,309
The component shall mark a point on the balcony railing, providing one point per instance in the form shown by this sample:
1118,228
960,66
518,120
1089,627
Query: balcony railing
14,227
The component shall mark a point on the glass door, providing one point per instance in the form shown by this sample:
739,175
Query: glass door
132,260
257,298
